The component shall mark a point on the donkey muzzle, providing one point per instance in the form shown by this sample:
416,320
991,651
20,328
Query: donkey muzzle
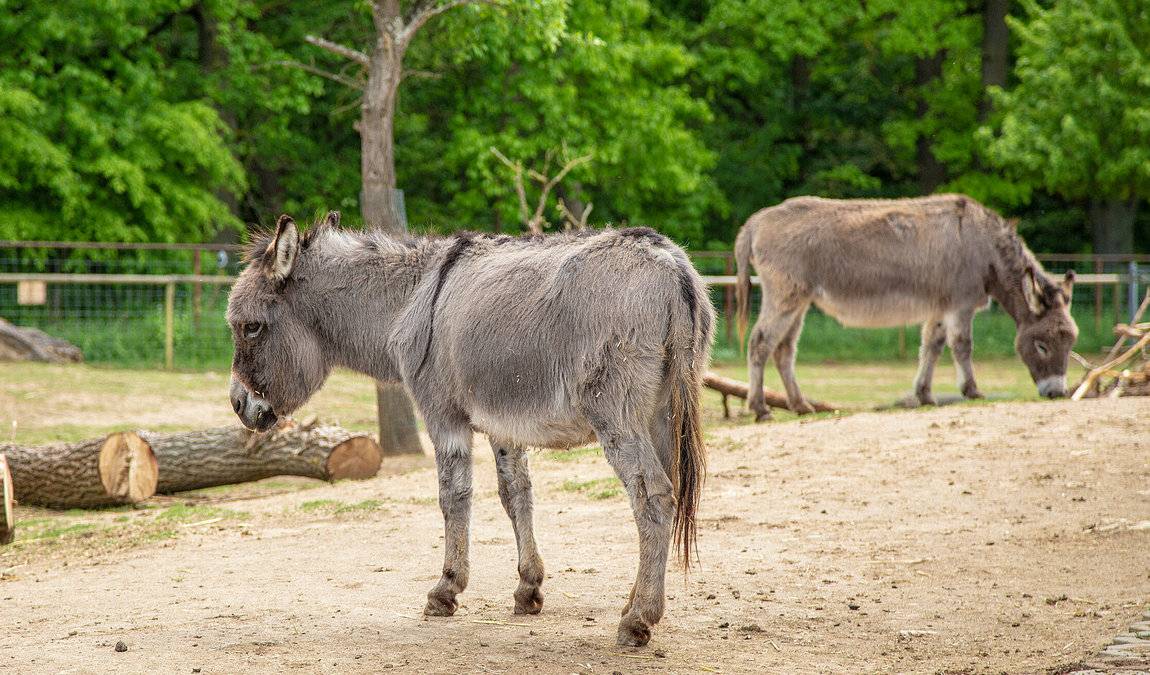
1052,387
254,412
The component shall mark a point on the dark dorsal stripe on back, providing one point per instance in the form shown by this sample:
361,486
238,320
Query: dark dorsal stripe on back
462,242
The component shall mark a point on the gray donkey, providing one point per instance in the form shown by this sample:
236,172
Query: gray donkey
874,263
545,341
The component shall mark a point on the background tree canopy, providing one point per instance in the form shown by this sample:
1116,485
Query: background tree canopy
172,120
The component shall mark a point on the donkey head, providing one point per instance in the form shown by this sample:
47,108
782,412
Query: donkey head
1047,332
279,362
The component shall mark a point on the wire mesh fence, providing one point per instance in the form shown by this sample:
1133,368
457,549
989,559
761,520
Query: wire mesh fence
154,307
163,305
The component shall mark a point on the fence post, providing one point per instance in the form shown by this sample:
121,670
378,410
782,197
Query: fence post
1097,299
728,291
169,325
197,289
1132,297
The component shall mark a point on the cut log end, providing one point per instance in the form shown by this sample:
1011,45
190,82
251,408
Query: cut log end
357,458
128,467
8,524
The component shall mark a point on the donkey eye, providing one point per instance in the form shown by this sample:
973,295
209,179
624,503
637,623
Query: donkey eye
252,330
1042,350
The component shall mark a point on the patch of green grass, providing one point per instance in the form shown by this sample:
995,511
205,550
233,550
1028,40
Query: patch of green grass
573,454
320,505
597,488
62,530
365,505
336,506
182,513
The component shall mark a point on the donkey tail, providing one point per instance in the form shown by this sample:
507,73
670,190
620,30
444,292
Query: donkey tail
743,280
686,367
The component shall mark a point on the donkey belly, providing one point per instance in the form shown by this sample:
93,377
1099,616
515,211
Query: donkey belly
877,311
532,429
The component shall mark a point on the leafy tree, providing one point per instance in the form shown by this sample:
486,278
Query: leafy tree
1077,122
94,142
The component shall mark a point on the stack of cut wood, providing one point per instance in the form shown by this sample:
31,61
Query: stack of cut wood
1126,369
129,467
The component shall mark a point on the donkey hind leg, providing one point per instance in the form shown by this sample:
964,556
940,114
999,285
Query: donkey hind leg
634,458
959,336
768,333
785,362
933,340
453,461
515,493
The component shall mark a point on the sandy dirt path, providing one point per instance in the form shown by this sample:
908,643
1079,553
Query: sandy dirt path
986,538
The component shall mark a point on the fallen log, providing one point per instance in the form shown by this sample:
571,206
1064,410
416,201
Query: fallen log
228,455
116,469
7,513
729,387
20,343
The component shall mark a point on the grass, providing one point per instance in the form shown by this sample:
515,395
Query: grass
336,506
824,338
597,488
573,454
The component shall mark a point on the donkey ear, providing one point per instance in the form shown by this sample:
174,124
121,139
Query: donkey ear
283,249
1032,292
1067,287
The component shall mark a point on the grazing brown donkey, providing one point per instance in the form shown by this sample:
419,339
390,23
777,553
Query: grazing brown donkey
889,262
547,341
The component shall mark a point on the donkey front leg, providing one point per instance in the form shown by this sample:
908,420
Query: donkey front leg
959,335
515,493
653,503
453,461
933,340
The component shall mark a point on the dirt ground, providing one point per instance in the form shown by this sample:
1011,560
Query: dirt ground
974,538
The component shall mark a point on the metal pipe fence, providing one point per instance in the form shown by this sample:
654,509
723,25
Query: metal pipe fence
162,305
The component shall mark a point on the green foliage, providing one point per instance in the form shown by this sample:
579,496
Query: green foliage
1078,121
170,120
93,142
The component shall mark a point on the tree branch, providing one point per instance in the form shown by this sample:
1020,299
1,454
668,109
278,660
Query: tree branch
336,48
334,77
425,10
520,189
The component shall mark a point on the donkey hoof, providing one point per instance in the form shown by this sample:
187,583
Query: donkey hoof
633,633
764,416
802,408
972,393
440,605
528,600
925,399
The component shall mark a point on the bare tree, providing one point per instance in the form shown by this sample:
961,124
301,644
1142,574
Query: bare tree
380,203
534,220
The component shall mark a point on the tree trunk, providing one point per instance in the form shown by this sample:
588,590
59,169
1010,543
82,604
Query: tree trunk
7,513
995,50
18,343
931,172
1112,224
398,430
728,387
229,455
117,469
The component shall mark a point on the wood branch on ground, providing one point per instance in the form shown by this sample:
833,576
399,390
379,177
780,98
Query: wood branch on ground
729,387
1121,374
115,469
227,455
21,343
7,512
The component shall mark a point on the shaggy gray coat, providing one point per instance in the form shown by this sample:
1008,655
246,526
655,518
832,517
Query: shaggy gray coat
871,262
549,342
